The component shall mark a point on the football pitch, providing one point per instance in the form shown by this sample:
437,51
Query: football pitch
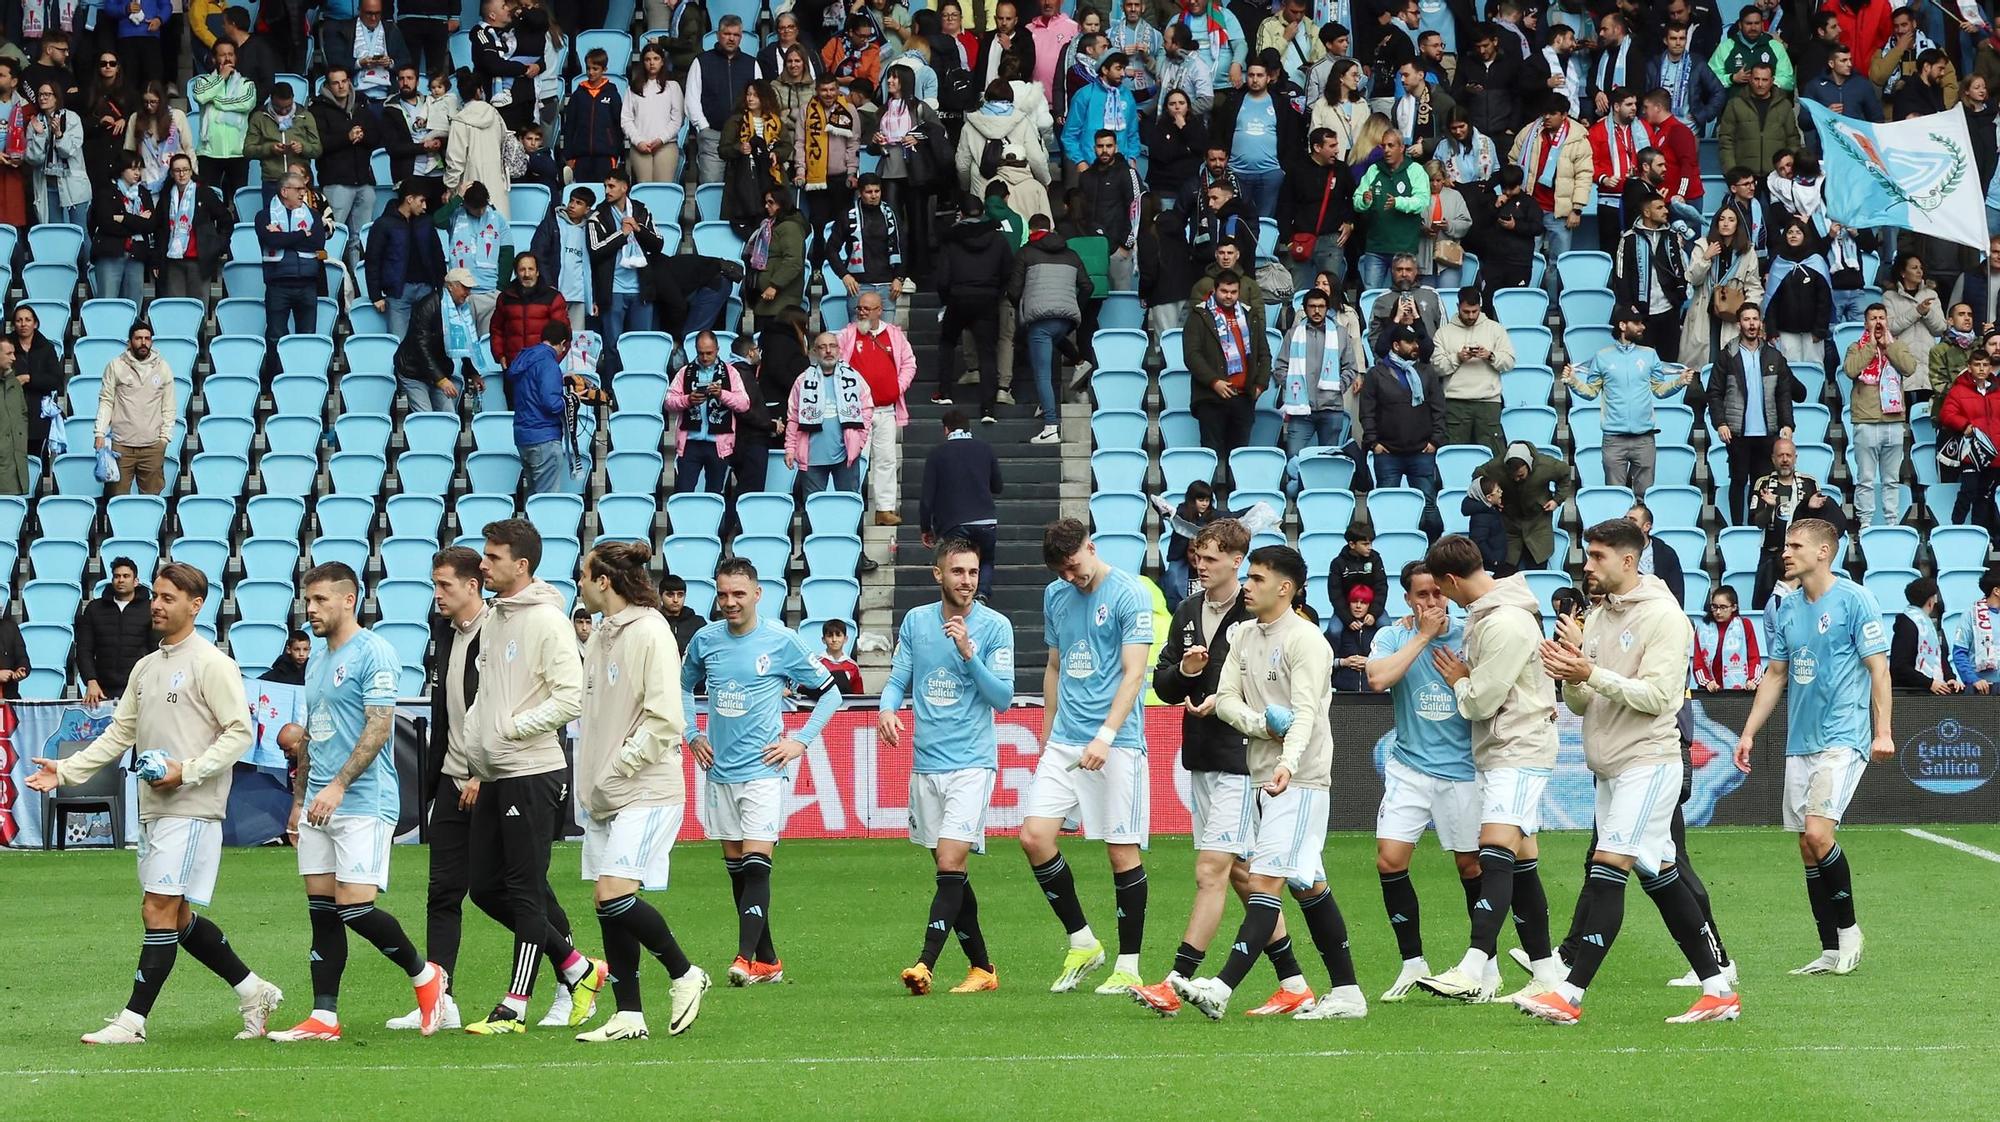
1911,1035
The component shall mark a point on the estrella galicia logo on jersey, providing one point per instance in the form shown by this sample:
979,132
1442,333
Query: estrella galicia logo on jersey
513,648
730,699
320,724
1079,662
1103,613
1805,667
1949,758
941,688
1435,702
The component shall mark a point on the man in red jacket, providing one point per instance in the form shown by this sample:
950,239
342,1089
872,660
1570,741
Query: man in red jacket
1974,403
1676,141
524,308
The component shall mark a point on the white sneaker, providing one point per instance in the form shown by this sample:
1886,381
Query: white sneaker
1004,397
1849,955
1343,1004
1689,981
447,1017
1821,965
126,1028
257,1010
687,990
1413,969
559,1010
620,1026
1459,986
1208,995
1048,435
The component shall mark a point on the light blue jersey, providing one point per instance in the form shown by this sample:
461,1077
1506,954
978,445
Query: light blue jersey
1089,634
1823,642
746,676
954,699
1431,735
341,686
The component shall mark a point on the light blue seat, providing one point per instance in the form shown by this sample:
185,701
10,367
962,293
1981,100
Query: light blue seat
287,433
416,515
1546,584
770,554
76,474
1958,587
1121,348
1119,429
408,636
1394,508
67,517
108,317
424,473
1584,305
1535,424
144,553
363,392
695,513
257,644
528,202
1122,309
708,202
1815,460
270,559
1955,548
352,552
638,391
305,354
664,200
429,432
633,429
1457,462
1887,583
49,645
1584,268
243,280
1179,429
476,511
1598,504
701,596
625,518
374,354
646,350
1117,469
1689,545
764,513
556,515
1581,342
1890,547
302,394
1119,389
404,599
357,473
44,685
55,241
239,315
494,472
633,472
717,239
688,555
240,355
493,431
1521,307
1176,391
829,597
58,559
1124,552
408,558
218,473
278,516
1526,385
835,311
179,317
1323,469
1531,341
833,512
832,554
1676,423
1674,505
207,554
345,516
1170,349
1325,510
1399,547
92,355
1673,466
1741,547
13,514
1183,466
1118,512
52,600
1257,469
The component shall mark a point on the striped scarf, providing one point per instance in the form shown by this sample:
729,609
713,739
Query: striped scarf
857,240
1296,398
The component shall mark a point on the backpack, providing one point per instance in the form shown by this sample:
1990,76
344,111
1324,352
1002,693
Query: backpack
513,157
958,91
990,157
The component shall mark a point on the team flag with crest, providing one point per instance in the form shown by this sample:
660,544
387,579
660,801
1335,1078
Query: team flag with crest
1914,175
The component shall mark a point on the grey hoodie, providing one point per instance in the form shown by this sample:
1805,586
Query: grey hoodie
628,752
530,686
1508,698
1630,705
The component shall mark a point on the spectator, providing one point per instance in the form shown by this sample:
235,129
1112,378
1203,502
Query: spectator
582,621
1914,314
1111,191
434,362
472,146
1317,217
1798,296
126,220
1441,248
349,131
593,132
651,118
1485,525
413,135
1228,356
673,605
1748,423
1722,276
1878,417
1553,153
771,60
1321,369
477,240
108,102
961,485
36,358
1902,61
138,36
1975,654
503,64
1352,642
715,84
157,133
1629,376
826,146
866,251
827,419
1402,417
59,180
975,263
427,26
1676,144
224,98
13,658
1650,276
1747,48
15,112
293,239
1048,290
1972,410
14,420
405,261
856,57
562,242
1980,288
1261,130
1217,218
881,354
1472,353
1488,88
1842,90
536,390
256,54
1000,142
52,55
691,290
1947,356
1517,227
1391,200
1694,92
1759,121
368,47
1406,304
524,307
1916,644
1658,558
279,134
1357,566
1725,646
1104,105
1176,139
1534,486
1420,111
708,395
290,666
135,413
1779,499
776,259
1615,143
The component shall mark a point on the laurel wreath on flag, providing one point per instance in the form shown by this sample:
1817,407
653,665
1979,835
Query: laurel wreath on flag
1931,198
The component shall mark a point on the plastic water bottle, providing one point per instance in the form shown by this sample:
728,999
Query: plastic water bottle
153,765
1278,719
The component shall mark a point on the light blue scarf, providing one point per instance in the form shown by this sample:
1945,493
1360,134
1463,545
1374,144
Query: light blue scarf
1407,371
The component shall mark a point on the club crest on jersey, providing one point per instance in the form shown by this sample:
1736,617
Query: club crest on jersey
611,673
1625,640
763,664
339,674
513,648
1825,621
1103,613
178,680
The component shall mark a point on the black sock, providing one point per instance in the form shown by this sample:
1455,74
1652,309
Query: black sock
945,905
1129,890
1531,910
1838,880
1685,864
210,947
1399,896
1496,897
1567,950
156,961
1260,917
527,960
646,922
971,939
1829,936
1060,889
621,953
329,952
1329,934
1604,913
1683,918
1187,959
1282,959
753,917
1470,886
381,929
735,867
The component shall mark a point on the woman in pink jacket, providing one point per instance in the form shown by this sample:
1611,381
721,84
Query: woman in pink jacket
707,394
828,420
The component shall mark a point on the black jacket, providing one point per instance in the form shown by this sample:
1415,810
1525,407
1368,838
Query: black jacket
440,731
1390,419
343,162
211,225
43,366
961,480
1173,152
1207,744
606,239
1349,641
285,671
118,233
420,356
974,263
1167,268
1903,672
1667,567
404,251
110,640
1494,106
13,654
684,626
1299,209
1348,572
1111,201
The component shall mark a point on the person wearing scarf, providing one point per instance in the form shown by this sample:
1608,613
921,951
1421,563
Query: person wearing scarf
867,248
1798,296
1649,271
1402,419
1726,656
1948,356
1321,368
126,221
825,152
1559,60
1218,39
1975,648
1897,60
1917,654
828,419
1878,417
1228,358
707,394
1469,157
1143,45
1554,155
1615,144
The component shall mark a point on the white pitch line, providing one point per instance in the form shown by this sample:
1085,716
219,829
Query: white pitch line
1735,1051
1954,843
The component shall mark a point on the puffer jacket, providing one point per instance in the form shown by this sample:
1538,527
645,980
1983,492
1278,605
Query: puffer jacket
1572,187
1049,281
344,162
1749,134
974,263
519,316
1970,406
111,640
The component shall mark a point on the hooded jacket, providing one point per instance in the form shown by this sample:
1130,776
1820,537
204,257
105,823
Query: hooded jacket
1630,704
1287,663
135,405
784,268
1969,406
974,263
260,143
1521,502
1207,743
535,389
1508,697
1015,130
472,153
1049,281
629,751
531,685
520,314
344,162
111,640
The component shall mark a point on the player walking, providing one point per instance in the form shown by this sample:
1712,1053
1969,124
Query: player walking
1505,698
530,686
746,663
1829,636
629,783
1625,670
1099,629
956,663
346,803
1278,690
1428,780
185,701
1188,671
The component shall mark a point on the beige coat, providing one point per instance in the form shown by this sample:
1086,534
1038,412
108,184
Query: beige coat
1639,642
629,750
1508,698
472,154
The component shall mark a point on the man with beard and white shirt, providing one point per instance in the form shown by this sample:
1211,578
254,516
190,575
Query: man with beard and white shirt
881,354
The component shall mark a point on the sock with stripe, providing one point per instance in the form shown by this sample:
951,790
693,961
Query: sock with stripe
1604,914
1682,914
1531,909
1496,898
1285,961
1329,934
329,952
621,952
156,960
1399,897
946,903
1822,913
1187,959
210,947
1059,887
1129,891
1837,879
527,961
646,922
753,916
381,929
1260,919
971,939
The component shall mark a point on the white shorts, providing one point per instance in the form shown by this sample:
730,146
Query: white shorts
750,811
353,847
1635,814
1225,813
633,844
1821,785
1111,803
950,806
1412,801
179,857
1512,796
1291,836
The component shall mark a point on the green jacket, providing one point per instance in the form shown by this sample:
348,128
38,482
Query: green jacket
1947,362
1748,138
1095,253
1011,224
261,142
1530,529
13,435
784,269
225,113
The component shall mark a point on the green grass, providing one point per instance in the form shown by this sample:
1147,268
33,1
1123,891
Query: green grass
1911,1035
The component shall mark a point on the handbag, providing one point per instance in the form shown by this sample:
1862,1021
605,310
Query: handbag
1444,250
1305,241
1727,298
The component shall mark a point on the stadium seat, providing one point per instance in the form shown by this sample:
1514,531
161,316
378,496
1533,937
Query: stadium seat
1325,470
493,431
664,200
424,473
76,474
769,554
67,517
59,559
636,430
177,317
833,512
367,393
1179,430
1535,424
1176,391
375,354
345,516
646,350
832,555
1689,545
1581,342
60,242
1521,307
1741,547
1170,349
277,516
407,635
1116,469
1887,583
270,559
1122,309
698,513
476,510
1584,268
1256,469
763,513
1959,588
630,472
1673,465
357,473
1400,547
496,472
49,645
1545,585
241,316
352,552
1122,390
717,239
1395,508
13,515
409,557
269,601
93,355
623,517
51,600
708,202
1121,348
1118,512
1182,466
1890,547
1675,505
1527,385
1325,510
1531,341
291,434
687,555
1457,462
1676,423
556,515
224,475
302,394
430,432
207,554
1581,305
560,553
109,318
528,202
254,644
144,552
1124,552
1816,460
1955,548
1596,504
416,515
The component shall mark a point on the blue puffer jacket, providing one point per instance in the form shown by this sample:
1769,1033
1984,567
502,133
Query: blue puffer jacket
535,387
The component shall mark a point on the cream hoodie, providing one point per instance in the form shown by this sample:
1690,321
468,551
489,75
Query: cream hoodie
1286,663
530,686
1639,642
629,750
187,700
1508,699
